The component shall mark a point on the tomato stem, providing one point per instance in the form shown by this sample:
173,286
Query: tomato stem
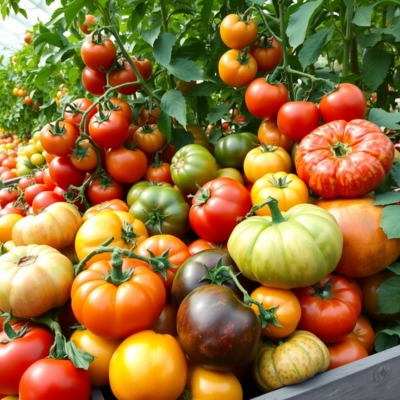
325,292
272,203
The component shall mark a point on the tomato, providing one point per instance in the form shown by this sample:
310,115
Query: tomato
125,164
88,24
159,173
54,379
56,227
28,38
298,257
268,54
297,358
94,81
74,111
47,181
200,244
236,68
110,205
329,308
185,86
285,309
149,139
345,351
344,159
216,207
269,133
98,56
138,188
146,66
297,119
366,247
210,385
288,189
18,354
11,209
8,195
238,32
365,333
231,150
7,175
59,138
44,199
7,223
101,349
28,101
116,315
232,173
64,173
121,106
32,191
49,273
120,225
145,376
124,73
84,156
166,322
266,159
346,102
263,99
109,129
237,323
24,182
192,164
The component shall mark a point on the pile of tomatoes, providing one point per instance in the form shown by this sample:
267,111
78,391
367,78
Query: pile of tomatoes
153,271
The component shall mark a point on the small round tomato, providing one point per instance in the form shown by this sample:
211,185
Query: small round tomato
159,173
124,73
104,188
94,81
32,191
8,195
146,65
149,139
84,156
365,333
268,53
120,106
44,199
98,55
59,138
74,111
88,24
110,205
269,133
237,32
64,173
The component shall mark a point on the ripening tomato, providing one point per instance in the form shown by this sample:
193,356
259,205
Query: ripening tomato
7,223
94,81
124,73
149,139
84,156
59,138
74,111
365,333
268,53
88,24
98,53
200,244
263,99
237,31
104,188
64,173
269,133
121,106
159,173
110,205
146,65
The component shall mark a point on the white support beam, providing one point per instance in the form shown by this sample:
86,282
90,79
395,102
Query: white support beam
45,9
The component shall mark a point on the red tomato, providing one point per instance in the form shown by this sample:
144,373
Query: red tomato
54,379
201,244
88,24
344,159
94,81
365,333
120,106
59,138
104,188
146,65
297,119
8,195
268,54
26,181
38,176
47,180
32,191
74,111
18,354
216,207
98,55
64,173
124,73
264,100
44,199
329,309
347,102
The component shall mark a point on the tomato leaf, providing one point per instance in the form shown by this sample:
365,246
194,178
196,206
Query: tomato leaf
174,104
299,21
387,198
395,173
137,15
383,118
180,139
218,112
162,48
164,124
202,89
389,296
79,358
362,15
187,70
390,221
395,267
312,47
72,10
206,10
51,38
151,35
368,39
376,63
387,338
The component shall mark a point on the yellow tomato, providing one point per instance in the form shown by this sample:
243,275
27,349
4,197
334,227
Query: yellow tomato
288,189
30,150
23,170
39,146
101,349
36,136
230,173
205,384
148,365
7,223
37,159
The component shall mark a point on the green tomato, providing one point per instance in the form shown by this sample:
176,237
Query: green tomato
163,210
138,188
192,165
290,249
231,150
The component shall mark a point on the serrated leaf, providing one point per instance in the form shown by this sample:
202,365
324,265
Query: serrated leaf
299,22
387,198
395,173
180,138
51,38
383,118
395,267
74,75
202,89
164,125
312,47
187,70
389,296
137,15
368,40
162,48
218,112
387,338
394,29
362,15
72,10
79,358
151,35
376,63
173,103
390,221
43,75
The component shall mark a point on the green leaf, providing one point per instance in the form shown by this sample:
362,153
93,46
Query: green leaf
368,39
389,296
299,21
72,10
60,55
151,35
205,12
51,38
387,338
74,74
218,112
164,124
202,89
313,46
187,70
383,118
180,138
390,221
362,15
395,267
137,15
387,198
376,63
162,48
43,75
394,29
395,173
79,358
174,104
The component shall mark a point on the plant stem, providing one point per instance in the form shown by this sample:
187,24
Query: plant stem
164,21
347,40
264,18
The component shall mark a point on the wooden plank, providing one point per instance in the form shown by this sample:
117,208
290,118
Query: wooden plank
374,377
